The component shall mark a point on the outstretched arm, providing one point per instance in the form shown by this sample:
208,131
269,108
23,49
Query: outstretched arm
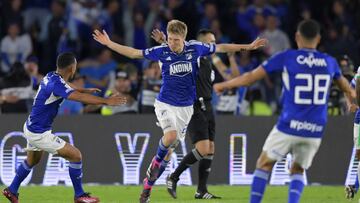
242,80
91,99
84,90
349,93
103,38
224,48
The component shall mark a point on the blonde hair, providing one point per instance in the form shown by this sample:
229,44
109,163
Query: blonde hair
177,27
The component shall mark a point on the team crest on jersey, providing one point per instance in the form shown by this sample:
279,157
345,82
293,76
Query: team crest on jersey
311,61
188,56
180,68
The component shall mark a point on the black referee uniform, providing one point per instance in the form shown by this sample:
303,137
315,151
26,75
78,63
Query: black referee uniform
202,123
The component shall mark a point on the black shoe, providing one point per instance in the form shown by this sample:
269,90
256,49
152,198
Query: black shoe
145,196
350,191
205,195
171,184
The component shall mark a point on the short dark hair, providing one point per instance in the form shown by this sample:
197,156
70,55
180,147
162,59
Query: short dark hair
204,32
309,29
64,60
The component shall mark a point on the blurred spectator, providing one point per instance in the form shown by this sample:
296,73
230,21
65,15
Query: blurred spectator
138,27
151,87
105,20
70,107
11,13
227,102
216,29
97,73
278,40
210,14
14,47
16,90
32,69
58,34
36,12
122,87
259,7
337,103
246,64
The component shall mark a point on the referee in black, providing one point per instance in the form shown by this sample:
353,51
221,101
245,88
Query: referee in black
201,128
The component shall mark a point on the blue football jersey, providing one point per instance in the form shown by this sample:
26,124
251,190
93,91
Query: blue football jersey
307,76
52,91
179,71
353,85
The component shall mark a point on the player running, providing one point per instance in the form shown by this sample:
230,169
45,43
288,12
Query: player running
351,190
179,63
53,89
307,75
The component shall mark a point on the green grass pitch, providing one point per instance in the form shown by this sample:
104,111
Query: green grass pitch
130,194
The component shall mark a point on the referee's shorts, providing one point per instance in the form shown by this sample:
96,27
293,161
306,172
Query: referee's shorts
202,123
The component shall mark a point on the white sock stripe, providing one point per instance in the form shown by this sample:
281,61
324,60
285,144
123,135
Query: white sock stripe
296,191
75,166
256,194
261,174
298,177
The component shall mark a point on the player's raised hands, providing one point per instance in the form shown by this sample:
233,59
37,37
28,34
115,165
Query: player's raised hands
101,37
258,42
115,100
158,36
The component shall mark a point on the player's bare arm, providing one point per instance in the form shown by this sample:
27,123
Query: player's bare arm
256,44
349,93
114,100
104,39
243,80
84,90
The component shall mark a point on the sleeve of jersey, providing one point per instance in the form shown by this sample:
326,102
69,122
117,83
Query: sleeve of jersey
62,89
274,63
152,53
205,49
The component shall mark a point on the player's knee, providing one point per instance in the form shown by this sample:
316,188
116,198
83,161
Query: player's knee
357,154
77,156
203,147
170,138
212,148
264,162
296,169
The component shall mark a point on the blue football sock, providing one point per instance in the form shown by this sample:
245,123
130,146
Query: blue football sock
21,173
258,185
75,172
161,151
163,165
296,187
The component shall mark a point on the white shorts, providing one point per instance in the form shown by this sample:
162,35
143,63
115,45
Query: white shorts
302,149
356,136
173,118
45,141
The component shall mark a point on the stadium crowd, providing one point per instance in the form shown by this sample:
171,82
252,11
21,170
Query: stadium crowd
34,32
